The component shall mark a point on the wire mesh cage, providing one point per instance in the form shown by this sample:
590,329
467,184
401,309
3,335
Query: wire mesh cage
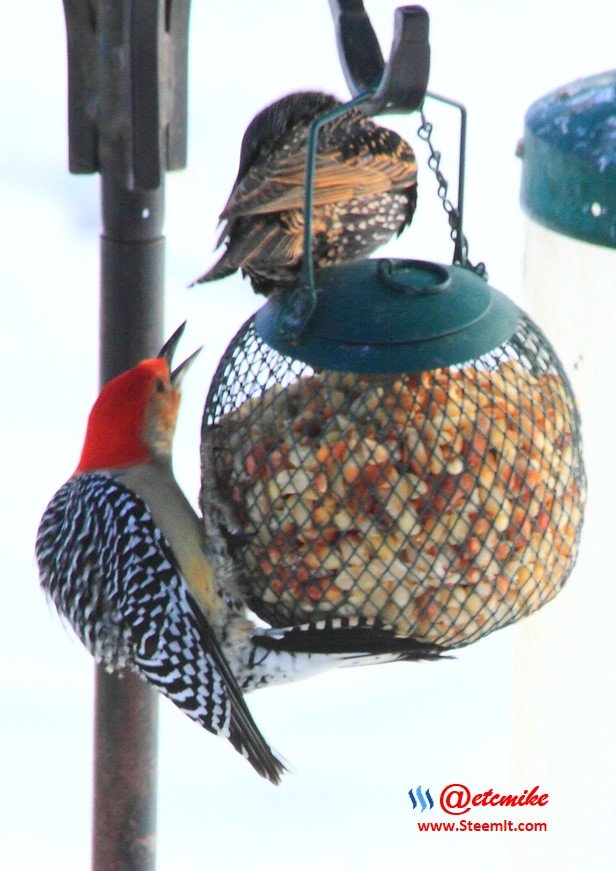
446,503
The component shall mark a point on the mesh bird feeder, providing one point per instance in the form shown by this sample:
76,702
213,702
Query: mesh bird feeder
411,453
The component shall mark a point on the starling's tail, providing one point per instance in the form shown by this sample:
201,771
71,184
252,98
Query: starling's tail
262,249
223,267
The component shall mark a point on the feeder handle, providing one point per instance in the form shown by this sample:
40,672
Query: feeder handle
403,81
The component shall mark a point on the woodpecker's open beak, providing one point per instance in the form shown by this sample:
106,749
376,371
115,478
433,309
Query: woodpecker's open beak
178,373
168,350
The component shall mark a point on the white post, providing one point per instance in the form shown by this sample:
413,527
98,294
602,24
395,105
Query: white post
565,689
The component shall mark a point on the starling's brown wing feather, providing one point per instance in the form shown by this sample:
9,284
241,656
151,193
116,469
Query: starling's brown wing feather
275,244
279,185
282,246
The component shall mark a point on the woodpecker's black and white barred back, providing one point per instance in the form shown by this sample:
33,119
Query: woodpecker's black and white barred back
109,571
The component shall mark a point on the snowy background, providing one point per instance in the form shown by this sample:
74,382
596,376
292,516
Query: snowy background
356,740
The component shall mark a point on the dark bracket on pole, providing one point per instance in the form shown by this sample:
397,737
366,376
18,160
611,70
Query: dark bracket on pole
400,83
127,74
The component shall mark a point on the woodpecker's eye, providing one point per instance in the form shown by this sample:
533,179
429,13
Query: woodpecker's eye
160,386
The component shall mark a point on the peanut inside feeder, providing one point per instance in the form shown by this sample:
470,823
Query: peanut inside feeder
446,503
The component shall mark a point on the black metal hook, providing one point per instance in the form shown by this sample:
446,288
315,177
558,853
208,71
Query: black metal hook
400,83
398,86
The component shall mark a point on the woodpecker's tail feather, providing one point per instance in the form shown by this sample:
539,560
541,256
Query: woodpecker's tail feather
244,733
355,638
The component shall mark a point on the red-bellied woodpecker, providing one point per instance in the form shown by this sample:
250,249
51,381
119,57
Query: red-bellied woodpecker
124,558
119,553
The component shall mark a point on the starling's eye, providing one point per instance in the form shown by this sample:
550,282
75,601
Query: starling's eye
160,386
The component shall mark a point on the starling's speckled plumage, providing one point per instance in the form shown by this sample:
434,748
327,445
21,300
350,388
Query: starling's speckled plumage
365,191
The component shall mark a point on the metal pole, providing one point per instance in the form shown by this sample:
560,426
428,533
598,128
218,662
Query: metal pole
132,276
126,732
126,709
127,71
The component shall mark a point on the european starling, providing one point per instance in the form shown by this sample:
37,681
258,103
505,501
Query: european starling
365,190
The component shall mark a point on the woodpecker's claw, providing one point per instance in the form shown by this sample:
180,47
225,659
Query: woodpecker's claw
169,348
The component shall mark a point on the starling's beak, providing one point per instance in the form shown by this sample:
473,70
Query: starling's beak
169,349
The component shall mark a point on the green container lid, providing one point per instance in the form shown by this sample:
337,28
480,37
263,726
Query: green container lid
569,169
387,316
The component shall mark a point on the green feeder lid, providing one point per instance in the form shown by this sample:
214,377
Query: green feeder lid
569,168
387,316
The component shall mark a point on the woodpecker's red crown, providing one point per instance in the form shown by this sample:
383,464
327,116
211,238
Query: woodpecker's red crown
133,420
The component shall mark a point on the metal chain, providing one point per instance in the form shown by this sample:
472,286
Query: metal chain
453,216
